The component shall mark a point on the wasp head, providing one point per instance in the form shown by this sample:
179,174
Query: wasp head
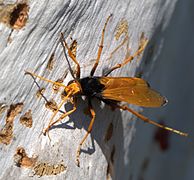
73,88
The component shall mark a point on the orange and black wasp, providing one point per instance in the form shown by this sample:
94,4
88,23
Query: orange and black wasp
110,90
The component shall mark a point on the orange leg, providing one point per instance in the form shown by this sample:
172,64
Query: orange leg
100,48
88,132
64,44
54,114
62,116
145,119
142,46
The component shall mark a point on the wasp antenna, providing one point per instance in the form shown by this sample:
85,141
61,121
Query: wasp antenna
64,50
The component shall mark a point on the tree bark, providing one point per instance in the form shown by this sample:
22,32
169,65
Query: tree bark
104,155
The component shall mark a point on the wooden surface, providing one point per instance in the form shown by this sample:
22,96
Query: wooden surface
30,49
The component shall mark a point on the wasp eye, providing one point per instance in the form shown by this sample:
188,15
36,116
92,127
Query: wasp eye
70,82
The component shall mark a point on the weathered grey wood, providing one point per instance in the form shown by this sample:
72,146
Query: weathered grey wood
31,48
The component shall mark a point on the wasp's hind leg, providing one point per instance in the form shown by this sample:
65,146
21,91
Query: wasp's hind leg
142,45
100,47
145,119
72,56
93,114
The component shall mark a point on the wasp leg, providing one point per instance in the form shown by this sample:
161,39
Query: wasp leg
54,114
62,116
100,47
142,46
71,55
93,114
145,119
44,79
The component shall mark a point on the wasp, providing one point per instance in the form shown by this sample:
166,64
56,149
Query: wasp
110,90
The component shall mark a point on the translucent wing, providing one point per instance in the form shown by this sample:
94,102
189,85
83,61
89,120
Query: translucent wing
131,90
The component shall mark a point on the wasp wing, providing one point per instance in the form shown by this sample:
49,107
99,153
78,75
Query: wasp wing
131,90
